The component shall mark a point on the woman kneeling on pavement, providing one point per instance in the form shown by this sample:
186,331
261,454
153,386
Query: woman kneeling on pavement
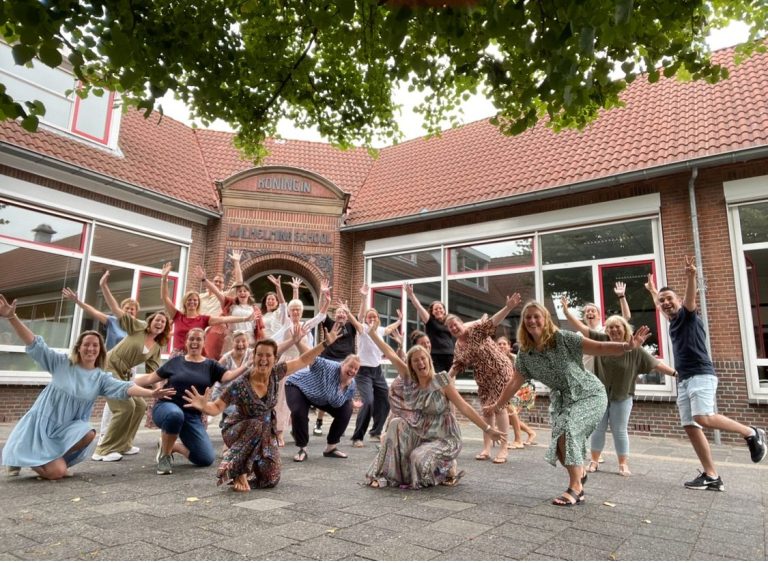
55,433
250,432
423,439
191,370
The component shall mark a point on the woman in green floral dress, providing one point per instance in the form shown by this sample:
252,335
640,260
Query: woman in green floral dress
578,398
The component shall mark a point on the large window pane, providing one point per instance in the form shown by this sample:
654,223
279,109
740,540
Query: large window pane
387,301
491,256
35,279
116,244
470,304
757,278
596,243
754,222
411,265
120,284
30,225
576,283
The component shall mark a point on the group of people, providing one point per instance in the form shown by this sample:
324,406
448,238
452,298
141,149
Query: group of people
265,369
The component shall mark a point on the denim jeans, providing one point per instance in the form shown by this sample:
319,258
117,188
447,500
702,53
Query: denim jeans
188,425
618,414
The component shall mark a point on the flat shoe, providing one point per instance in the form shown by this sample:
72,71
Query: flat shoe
499,459
562,500
335,453
358,444
482,457
300,456
513,446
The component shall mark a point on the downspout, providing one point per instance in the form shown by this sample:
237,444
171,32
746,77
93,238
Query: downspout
699,272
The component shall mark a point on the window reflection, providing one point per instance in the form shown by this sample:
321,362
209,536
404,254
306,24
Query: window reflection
116,244
600,242
29,225
408,266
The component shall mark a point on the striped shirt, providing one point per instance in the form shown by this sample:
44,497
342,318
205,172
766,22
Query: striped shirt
321,383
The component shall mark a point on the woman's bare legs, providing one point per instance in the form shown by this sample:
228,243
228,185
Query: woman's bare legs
57,468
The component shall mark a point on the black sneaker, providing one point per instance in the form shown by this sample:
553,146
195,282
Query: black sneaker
756,443
705,483
318,430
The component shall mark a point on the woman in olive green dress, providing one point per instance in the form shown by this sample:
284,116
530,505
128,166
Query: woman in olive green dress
578,398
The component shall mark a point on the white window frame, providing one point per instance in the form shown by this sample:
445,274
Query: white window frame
737,194
645,207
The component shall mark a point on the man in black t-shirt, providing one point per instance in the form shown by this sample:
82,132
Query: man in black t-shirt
697,382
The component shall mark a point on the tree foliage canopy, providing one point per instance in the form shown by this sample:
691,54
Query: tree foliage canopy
334,64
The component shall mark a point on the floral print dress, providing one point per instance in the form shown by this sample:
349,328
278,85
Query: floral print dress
423,439
578,398
250,432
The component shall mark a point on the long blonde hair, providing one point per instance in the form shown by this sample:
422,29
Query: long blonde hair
74,355
409,356
524,338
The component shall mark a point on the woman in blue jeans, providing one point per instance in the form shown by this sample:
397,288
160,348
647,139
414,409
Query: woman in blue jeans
188,371
618,374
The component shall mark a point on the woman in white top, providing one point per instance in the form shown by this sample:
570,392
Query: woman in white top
273,309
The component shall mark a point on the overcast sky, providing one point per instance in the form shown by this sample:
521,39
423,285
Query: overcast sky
477,107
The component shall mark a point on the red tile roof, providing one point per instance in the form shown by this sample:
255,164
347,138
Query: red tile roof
158,155
346,169
662,123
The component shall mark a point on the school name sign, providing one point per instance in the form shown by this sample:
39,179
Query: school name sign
317,238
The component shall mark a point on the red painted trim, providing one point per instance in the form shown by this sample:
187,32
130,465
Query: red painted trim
76,113
600,267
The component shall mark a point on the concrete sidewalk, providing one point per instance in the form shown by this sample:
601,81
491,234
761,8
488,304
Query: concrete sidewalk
320,510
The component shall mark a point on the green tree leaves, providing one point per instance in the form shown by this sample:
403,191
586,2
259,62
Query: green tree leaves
334,64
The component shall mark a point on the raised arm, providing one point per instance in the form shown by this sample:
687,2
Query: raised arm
295,283
386,349
275,280
231,374
650,286
512,302
237,271
420,310
689,302
363,303
165,297
8,311
392,328
296,337
620,289
234,319
210,287
580,326
325,296
112,303
90,310
309,356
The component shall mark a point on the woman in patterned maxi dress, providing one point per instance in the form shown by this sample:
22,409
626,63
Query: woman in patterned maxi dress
578,398
253,458
476,348
423,439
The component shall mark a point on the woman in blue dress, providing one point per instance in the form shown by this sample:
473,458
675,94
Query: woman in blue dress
56,433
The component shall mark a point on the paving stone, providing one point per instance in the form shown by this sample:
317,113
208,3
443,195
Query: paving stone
115,507
9,557
396,523
209,553
254,546
548,523
740,547
263,504
450,505
12,542
325,548
469,553
134,551
284,555
364,534
462,528
701,556
182,539
72,547
483,516
639,548
300,530
431,539
395,550
566,550
331,518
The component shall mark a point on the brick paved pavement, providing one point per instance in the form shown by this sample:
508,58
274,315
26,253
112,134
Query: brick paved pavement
320,510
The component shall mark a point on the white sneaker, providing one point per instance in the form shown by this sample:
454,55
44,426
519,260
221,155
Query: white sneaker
133,451
114,456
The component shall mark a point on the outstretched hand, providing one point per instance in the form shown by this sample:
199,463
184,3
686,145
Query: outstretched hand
274,279
295,283
104,278
200,273
620,289
166,269
650,285
236,255
298,331
513,300
564,301
163,392
195,400
7,310
330,336
640,336
69,294
690,266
